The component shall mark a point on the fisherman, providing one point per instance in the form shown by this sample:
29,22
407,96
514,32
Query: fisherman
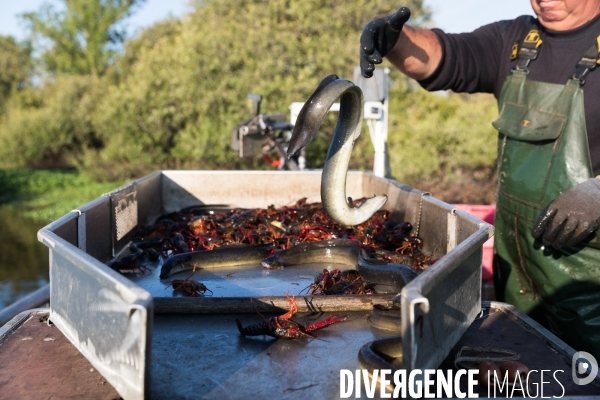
541,70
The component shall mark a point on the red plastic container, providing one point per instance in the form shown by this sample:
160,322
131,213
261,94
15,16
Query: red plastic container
485,213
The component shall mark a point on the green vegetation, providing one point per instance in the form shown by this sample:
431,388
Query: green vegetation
430,134
45,195
170,99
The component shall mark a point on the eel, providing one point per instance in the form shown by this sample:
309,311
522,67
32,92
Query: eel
346,252
347,130
381,354
386,318
334,251
397,275
226,256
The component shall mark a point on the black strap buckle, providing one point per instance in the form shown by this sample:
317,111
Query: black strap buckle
529,49
581,72
586,64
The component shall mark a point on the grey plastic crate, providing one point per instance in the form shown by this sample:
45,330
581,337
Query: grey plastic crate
109,318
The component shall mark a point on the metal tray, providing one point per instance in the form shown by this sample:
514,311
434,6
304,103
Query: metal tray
109,318
233,287
246,281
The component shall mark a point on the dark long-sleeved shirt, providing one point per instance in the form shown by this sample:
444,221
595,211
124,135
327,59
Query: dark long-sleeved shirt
479,61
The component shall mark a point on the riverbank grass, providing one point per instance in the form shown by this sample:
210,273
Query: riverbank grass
44,195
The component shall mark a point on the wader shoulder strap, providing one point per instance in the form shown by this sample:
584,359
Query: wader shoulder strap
587,63
527,49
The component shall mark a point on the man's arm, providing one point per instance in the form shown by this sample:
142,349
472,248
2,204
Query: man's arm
417,53
465,62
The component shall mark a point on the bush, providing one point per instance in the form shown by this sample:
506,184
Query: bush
429,134
52,125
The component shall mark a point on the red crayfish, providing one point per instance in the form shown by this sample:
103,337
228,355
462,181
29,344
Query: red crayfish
283,327
346,287
340,282
189,286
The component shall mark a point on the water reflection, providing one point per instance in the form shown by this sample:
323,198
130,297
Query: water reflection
23,259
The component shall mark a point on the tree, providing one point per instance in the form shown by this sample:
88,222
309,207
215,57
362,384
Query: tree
82,38
176,103
15,64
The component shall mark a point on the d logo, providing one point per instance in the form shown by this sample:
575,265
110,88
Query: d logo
583,363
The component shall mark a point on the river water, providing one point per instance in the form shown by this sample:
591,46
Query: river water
24,261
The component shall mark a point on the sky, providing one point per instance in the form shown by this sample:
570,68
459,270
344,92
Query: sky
455,16
451,15
149,12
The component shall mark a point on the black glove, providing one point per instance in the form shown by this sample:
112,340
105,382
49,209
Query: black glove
571,217
378,38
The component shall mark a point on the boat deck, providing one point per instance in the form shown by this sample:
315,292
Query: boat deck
39,362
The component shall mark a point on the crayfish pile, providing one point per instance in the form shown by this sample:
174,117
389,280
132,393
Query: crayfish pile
205,228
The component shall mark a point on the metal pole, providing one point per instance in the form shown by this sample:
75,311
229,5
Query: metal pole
379,133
